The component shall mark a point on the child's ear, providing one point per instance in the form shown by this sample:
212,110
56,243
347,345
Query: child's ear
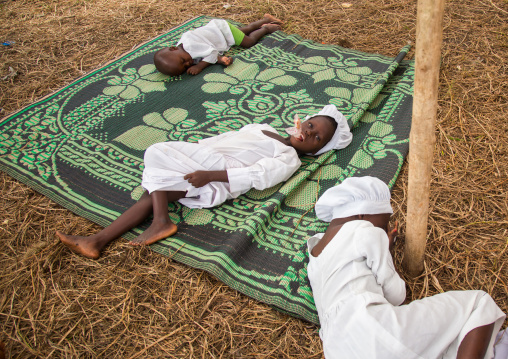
173,48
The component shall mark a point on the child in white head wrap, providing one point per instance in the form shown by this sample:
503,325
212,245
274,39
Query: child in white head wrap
355,195
358,292
342,136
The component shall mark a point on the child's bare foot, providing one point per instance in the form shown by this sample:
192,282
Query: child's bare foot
272,19
80,245
224,60
271,27
154,233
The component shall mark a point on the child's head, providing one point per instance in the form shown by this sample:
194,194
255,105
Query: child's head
322,132
366,198
315,134
172,61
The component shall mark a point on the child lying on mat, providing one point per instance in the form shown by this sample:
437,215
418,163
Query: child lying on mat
207,173
199,48
358,292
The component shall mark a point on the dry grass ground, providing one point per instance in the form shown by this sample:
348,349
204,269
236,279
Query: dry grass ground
133,303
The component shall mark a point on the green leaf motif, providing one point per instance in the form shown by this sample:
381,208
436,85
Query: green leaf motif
319,60
141,137
197,217
215,87
377,101
266,193
376,146
390,138
323,75
368,117
135,82
346,76
285,80
299,197
175,115
156,120
359,95
146,70
338,92
361,70
380,129
328,172
362,159
269,74
242,73
311,68
157,129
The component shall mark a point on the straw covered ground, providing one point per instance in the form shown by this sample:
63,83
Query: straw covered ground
133,303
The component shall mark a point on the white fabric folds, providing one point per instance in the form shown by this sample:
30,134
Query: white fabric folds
208,41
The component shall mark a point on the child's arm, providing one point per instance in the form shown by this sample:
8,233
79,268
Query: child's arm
372,244
196,69
334,227
201,178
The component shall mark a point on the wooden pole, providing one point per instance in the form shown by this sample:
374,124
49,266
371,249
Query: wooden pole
429,35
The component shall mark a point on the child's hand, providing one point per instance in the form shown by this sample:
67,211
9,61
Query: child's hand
198,178
392,234
194,70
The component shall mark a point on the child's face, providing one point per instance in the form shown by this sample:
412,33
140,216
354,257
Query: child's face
173,61
316,132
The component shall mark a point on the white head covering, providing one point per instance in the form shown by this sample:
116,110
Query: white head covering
355,195
342,136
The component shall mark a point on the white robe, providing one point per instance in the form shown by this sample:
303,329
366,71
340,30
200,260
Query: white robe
208,41
251,158
358,292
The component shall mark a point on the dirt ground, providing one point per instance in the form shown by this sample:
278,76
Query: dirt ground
133,303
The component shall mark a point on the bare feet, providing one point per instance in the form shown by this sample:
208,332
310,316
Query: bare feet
272,19
224,60
271,27
154,233
80,245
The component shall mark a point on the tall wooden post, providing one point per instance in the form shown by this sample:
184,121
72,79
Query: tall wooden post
429,35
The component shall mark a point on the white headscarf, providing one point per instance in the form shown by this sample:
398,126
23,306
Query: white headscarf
342,136
355,195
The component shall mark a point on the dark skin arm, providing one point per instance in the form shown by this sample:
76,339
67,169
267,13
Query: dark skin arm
201,178
196,69
378,220
334,227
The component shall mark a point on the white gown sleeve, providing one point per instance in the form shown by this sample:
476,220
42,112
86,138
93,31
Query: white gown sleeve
372,243
212,58
265,173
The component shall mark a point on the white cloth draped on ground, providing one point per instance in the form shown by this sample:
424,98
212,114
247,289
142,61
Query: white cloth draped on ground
251,158
357,293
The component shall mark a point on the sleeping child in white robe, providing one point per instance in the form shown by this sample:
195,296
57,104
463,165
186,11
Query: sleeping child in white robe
201,47
207,173
358,293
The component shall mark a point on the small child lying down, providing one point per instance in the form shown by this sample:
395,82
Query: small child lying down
199,48
207,173
358,293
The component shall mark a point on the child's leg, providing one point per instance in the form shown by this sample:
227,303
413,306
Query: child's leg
91,246
161,226
253,37
475,343
267,19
